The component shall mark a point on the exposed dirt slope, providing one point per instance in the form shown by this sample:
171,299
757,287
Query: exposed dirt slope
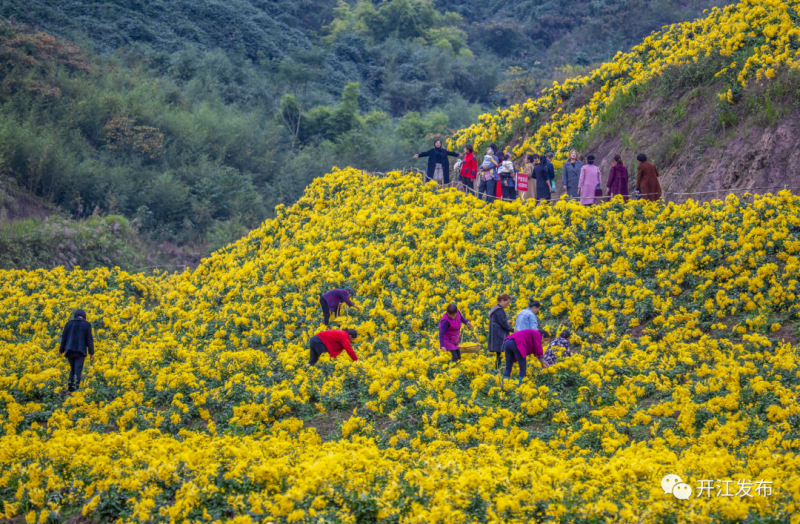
703,145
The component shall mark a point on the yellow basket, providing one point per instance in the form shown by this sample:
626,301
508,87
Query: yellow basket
469,347
337,318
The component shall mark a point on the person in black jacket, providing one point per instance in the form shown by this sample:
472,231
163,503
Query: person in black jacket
499,328
437,160
544,174
76,340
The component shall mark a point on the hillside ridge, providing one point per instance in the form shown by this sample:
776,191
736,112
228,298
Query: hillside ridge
684,318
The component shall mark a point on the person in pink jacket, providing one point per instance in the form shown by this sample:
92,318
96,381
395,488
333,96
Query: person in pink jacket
450,331
589,180
518,346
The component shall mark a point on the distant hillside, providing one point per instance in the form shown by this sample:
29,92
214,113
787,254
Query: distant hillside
399,50
714,102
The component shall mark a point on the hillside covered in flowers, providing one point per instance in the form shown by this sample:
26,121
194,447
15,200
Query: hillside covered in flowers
713,101
200,405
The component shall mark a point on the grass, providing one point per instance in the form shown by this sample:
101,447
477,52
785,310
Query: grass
33,243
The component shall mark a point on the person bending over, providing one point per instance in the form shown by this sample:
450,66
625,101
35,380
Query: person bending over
334,298
333,343
518,346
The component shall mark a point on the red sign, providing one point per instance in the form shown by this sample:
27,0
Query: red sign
522,182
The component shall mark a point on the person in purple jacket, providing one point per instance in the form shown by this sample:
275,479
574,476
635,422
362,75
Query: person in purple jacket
618,179
518,346
334,298
450,331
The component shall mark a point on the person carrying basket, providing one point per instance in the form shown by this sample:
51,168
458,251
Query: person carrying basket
450,331
334,298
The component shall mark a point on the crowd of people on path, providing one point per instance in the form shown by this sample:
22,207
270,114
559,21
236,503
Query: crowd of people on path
497,177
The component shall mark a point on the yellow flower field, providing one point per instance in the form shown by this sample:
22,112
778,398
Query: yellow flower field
200,405
752,40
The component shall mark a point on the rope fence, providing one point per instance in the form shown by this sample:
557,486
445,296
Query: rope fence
666,196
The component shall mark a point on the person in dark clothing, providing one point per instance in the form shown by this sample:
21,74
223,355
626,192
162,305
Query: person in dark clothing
544,176
486,172
438,163
499,328
508,174
76,341
647,185
334,298
618,179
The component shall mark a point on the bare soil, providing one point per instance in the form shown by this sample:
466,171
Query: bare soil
329,425
682,133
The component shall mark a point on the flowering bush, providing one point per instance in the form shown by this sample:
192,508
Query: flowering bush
759,37
198,404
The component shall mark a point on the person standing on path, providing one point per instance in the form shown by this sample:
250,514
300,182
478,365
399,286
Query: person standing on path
507,173
527,319
518,346
487,186
543,173
647,184
590,178
438,163
76,341
618,179
450,331
334,298
499,327
333,343
571,174
530,163
469,169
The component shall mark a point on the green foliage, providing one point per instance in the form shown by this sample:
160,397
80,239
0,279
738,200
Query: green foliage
401,20
325,122
264,97
97,241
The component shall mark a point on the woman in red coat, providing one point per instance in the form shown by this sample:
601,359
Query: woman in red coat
333,343
618,179
469,169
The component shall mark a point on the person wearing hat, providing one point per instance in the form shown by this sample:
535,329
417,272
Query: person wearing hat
333,343
76,341
438,163
589,181
334,298
561,342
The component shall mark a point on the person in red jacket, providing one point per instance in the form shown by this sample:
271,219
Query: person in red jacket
469,170
333,342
